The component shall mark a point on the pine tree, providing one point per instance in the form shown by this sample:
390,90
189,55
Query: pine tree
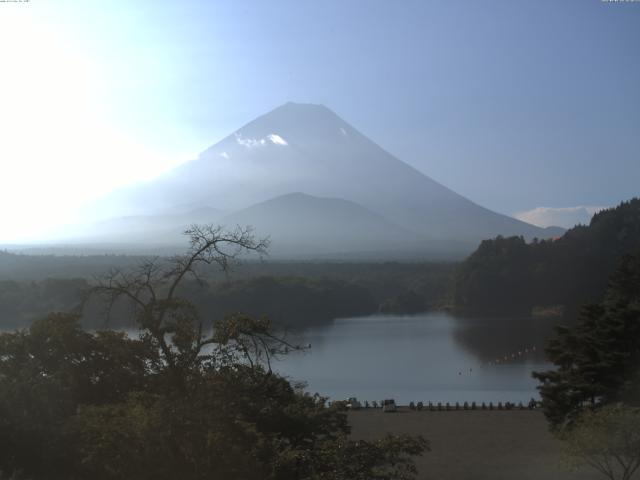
598,360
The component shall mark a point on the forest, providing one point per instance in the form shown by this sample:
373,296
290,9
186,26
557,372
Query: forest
174,402
504,276
510,276
292,294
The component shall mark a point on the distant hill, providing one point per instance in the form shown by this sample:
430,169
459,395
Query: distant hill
509,275
309,149
307,225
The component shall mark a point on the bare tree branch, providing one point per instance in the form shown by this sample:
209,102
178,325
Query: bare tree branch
152,287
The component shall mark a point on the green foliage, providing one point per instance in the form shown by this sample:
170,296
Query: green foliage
20,302
598,360
406,303
607,439
508,275
103,406
234,424
389,458
286,300
45,374
291,294
175,403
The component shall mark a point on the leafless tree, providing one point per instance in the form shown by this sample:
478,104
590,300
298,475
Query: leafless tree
171,323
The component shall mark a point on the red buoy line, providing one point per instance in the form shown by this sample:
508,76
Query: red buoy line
513,356
504,359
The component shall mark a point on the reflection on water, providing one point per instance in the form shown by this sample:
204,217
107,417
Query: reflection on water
430,357
493,339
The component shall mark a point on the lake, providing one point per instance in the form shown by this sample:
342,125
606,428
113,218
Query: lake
430,357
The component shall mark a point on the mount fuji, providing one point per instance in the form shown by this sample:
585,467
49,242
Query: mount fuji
317,186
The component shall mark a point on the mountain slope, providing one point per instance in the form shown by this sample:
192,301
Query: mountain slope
302,224
308,148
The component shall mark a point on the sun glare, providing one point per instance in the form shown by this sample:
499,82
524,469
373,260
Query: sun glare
57,146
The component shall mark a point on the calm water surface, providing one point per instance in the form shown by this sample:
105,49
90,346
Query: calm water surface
430,357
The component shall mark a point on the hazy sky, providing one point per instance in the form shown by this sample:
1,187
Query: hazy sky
514,104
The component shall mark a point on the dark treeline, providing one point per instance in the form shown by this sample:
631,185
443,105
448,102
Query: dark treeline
22,302
289,301
290,293
510,276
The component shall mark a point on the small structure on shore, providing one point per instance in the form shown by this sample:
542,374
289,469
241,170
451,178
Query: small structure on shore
353,404
389,405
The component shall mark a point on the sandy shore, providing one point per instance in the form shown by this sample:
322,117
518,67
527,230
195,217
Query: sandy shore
475,445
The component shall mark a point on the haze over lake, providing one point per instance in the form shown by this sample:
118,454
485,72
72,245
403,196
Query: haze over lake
428,357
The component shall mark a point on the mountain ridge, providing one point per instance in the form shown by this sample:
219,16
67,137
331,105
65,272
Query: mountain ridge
308,148
305,224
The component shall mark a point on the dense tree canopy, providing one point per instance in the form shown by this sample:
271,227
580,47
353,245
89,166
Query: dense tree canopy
180,401
290,294
509,275
598,360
